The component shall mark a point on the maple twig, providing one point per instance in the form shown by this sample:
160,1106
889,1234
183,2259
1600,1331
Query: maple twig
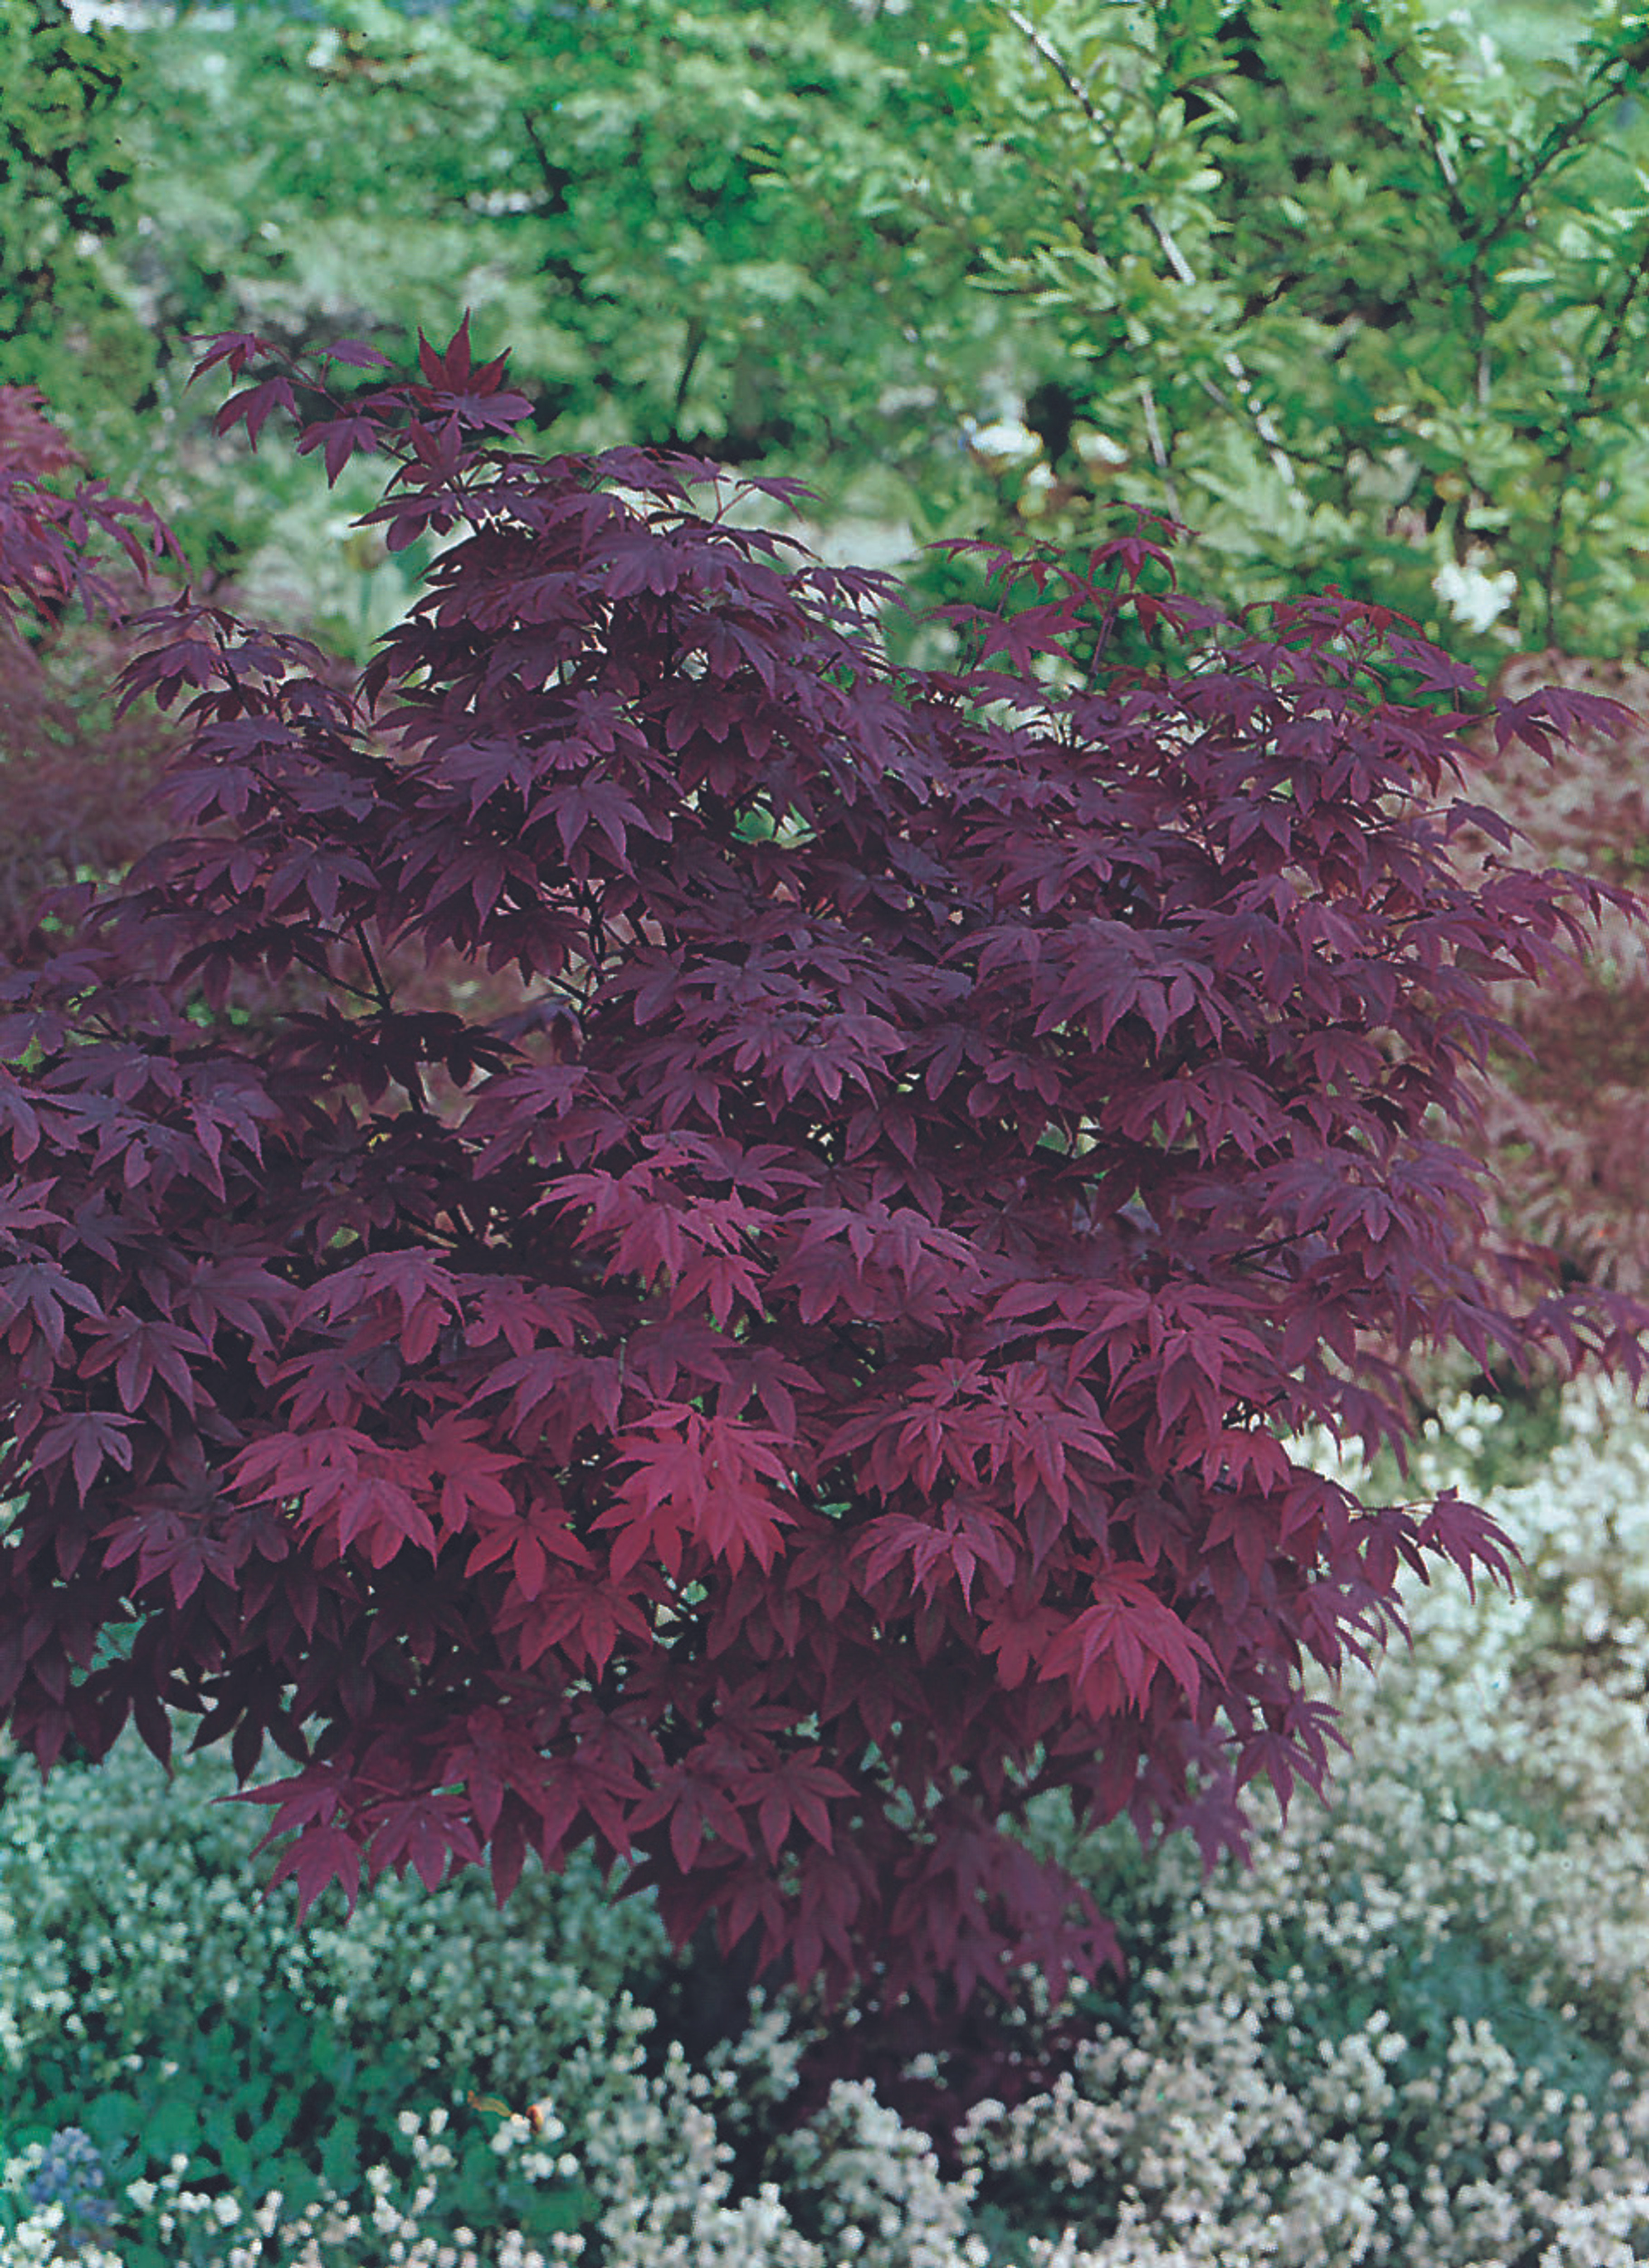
323,967
381,992
413,1084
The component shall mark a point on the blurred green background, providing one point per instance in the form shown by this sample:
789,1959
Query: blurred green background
1358,291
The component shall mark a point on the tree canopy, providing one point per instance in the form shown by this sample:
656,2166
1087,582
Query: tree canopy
787,1359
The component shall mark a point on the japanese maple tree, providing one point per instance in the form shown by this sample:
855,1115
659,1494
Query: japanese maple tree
792,1357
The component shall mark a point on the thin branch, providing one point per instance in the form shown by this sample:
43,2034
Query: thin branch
546,167
697,334
1181,267
1557,141
1482,239
413,1084
1388,57
1562,461
1153,433
382,991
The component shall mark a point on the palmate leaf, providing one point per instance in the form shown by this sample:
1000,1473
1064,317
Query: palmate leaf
696,1489
732,1291
1113,1649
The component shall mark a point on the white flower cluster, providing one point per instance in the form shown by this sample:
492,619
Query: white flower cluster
881,2198
1472,595
1419,2028
40,2232
123,1895
203,2229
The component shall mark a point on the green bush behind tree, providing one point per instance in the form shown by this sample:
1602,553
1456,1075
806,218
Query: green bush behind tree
1360,294
65,198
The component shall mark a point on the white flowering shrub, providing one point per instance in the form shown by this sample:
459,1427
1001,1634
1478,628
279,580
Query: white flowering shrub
1414,2034
1415,2031
215,2050
385,2222
121,1890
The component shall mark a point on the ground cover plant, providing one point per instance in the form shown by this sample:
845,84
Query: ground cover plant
945,1124
1416,2027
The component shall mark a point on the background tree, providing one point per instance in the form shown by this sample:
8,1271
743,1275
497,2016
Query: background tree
809,1380
65,322
696,223
1566,1114
1357,294
1359,299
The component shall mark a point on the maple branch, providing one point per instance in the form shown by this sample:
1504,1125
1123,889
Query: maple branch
1272,1244
380,991
323,967
413,1084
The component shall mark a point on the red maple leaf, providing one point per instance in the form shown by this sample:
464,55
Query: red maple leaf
666,1234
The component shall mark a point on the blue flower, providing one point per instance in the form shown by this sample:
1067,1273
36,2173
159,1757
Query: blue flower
70,2174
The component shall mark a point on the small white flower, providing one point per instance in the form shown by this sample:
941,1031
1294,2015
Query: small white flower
1098,452
1472,597
1004,441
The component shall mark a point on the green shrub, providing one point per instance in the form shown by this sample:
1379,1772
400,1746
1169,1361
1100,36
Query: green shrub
147,1996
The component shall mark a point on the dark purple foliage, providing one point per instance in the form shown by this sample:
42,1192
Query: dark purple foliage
1565,1122
809,1375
